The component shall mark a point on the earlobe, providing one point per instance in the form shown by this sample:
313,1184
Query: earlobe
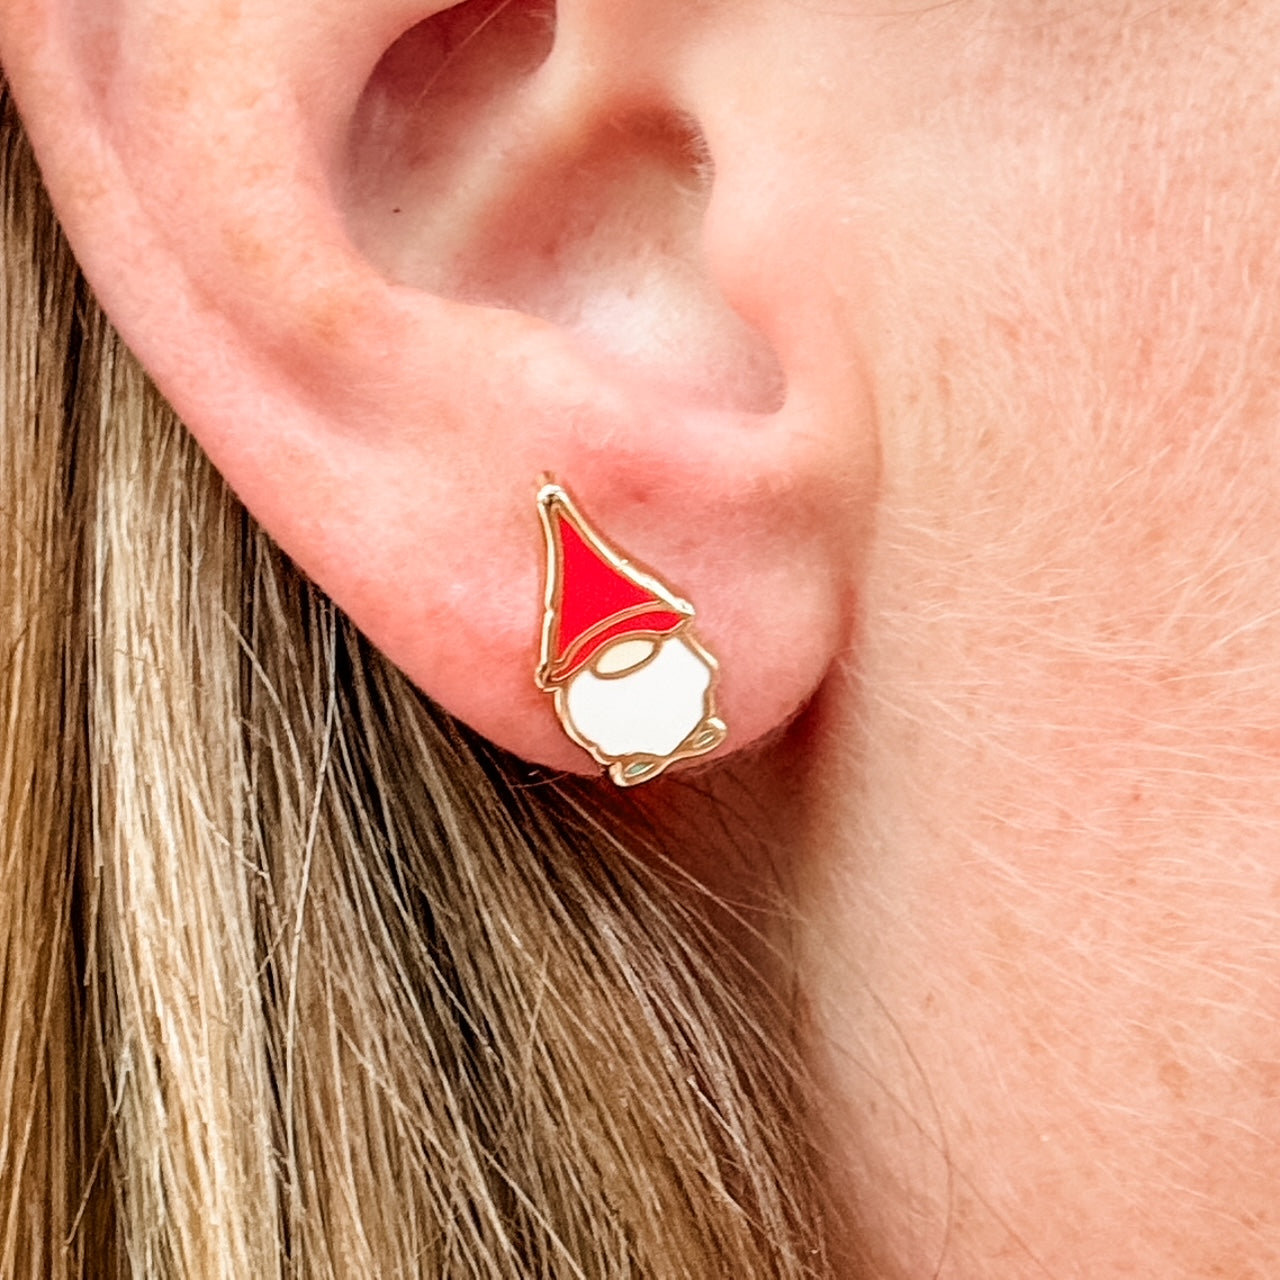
393,265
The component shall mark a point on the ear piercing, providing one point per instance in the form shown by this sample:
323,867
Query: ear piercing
629,680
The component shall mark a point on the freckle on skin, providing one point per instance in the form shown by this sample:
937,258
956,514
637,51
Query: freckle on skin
247,249
327,316
1175,1077
1269,1079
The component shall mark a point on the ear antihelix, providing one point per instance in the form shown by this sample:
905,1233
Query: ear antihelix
629,679
490,163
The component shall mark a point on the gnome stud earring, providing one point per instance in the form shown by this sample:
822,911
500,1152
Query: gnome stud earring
630,681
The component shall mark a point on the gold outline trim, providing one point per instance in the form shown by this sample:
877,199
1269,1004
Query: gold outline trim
627,770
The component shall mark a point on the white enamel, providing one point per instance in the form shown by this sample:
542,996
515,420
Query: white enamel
648,712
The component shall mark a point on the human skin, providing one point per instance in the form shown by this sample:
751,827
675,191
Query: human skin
1009,540
1040,907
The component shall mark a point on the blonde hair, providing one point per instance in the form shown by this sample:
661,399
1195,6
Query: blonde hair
299,979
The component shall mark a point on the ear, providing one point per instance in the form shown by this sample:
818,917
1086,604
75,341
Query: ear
393,262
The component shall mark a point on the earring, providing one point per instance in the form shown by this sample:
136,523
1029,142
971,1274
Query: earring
630,681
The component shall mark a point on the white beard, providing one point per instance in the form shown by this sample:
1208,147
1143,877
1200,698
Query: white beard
650,711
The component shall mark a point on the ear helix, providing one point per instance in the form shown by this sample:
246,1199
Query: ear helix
630,681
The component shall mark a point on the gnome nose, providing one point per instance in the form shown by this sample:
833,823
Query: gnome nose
625,656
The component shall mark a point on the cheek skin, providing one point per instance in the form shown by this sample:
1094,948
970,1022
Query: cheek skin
1041,901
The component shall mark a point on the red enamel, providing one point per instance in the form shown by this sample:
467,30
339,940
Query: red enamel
593,591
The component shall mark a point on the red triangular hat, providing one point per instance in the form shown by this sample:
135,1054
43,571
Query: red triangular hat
593,595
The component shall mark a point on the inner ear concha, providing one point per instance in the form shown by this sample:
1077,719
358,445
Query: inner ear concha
465,178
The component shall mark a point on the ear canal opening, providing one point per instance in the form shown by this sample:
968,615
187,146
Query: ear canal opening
465,179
